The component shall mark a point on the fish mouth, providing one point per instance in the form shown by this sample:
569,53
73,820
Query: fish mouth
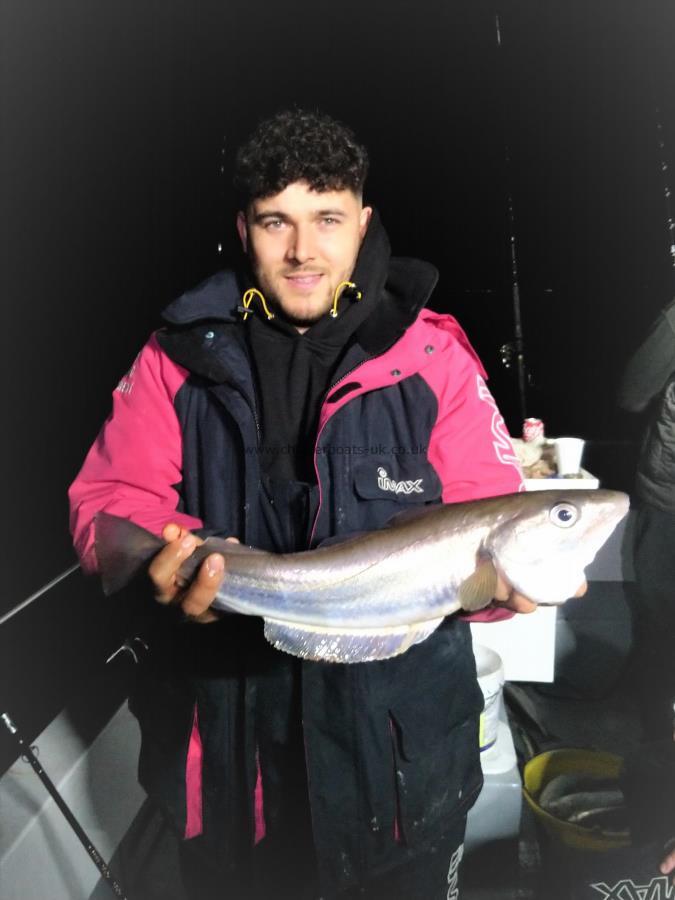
601,530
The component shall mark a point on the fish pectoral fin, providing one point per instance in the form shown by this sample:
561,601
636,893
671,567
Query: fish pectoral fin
478,590
346,645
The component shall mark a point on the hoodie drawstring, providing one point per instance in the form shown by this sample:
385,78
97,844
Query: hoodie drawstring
338,293
246,302
254,292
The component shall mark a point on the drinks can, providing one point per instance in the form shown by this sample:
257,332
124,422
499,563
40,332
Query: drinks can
533,431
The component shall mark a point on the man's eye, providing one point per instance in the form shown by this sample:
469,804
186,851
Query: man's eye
273,224
329,220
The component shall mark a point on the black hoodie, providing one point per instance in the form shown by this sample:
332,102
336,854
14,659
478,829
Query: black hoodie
295,371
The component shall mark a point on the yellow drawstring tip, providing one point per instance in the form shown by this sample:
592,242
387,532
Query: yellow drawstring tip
247,299
338,293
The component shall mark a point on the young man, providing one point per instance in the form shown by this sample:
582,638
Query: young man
281,405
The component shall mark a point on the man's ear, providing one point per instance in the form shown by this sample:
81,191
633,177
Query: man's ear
242,229
364,219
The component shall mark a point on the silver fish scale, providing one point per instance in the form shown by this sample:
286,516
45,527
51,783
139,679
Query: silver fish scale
414,582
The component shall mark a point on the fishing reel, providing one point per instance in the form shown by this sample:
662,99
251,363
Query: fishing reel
509,358
507,353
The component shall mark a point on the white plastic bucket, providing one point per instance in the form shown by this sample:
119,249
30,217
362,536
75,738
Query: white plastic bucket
491,680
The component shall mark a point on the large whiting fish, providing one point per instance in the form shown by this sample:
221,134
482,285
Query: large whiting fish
373,595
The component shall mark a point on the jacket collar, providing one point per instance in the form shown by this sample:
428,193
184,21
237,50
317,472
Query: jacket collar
216,300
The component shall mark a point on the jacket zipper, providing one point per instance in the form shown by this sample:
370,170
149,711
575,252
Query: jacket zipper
318,436
254,410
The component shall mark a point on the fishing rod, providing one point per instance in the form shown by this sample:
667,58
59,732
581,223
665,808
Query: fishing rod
515,348
37,594
26,752
670,224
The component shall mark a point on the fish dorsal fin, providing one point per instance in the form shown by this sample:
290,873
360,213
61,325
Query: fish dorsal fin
342,538
478,590
346,645
418,511
220,545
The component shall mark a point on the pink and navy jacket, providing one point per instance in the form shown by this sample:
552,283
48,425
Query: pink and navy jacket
446,435
408,421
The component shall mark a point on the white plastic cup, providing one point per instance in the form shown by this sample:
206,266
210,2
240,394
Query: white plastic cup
490,673
568,453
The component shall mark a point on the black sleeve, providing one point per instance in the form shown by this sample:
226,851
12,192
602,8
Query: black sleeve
651,365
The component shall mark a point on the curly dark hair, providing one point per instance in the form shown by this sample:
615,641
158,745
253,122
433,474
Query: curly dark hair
298,145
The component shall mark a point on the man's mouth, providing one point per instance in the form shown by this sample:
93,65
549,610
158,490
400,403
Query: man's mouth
304,281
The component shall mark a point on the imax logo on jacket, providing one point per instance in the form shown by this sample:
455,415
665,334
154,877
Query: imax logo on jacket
398,487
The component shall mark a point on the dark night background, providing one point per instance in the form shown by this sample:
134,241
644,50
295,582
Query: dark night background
118,125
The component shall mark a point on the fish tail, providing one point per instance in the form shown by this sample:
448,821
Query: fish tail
122,550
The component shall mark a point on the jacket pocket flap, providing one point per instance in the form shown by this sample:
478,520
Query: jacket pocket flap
405,479
418,731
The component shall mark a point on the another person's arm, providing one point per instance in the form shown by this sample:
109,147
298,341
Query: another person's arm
651,365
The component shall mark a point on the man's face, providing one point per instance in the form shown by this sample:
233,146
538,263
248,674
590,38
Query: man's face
302,244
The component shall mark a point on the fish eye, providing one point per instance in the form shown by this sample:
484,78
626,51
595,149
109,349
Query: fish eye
564,515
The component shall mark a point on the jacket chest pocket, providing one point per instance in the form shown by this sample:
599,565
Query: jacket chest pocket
437,773
408,479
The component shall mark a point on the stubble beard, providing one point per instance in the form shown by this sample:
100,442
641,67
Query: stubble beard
295,319
298,320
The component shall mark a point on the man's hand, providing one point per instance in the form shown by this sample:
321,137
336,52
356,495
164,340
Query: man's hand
163,571
508,597
668,863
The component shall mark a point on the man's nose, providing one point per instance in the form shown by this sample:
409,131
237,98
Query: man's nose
301,247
